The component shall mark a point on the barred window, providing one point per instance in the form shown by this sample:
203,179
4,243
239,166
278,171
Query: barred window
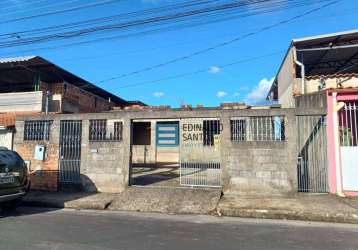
105,130
37,130
258,128
210,129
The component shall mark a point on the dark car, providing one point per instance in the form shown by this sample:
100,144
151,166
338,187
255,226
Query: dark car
14,182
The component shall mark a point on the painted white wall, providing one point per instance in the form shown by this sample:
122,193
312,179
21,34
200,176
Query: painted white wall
6,138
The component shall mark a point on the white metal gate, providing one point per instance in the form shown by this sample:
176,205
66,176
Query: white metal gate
200,161
348,129
312,170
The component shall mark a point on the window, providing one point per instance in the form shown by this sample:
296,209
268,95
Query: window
37,130
258,128
210,129
105,130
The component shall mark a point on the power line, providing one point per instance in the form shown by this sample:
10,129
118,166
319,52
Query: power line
202,70
141,22
221,18
199,52
50,13
43,6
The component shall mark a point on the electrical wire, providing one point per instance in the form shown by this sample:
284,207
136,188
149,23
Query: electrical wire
209,49
202,70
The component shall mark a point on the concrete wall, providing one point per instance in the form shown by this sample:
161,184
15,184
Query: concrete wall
255,167
21,101
312,100
285,80
264,167
104,165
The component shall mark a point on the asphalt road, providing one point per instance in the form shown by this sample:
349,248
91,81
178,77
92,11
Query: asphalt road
35,228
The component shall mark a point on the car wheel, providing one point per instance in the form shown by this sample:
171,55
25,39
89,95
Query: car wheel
11,205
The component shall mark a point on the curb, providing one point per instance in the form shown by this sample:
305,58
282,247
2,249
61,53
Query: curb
289,215
58,204
48,204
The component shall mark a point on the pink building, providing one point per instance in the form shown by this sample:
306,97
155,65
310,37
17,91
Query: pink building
321,72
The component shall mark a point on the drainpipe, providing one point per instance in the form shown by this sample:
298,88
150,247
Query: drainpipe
302,75
47,102
336,107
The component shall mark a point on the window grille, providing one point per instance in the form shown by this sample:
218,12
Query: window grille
258,128
105,130
348,124
210,129
37,130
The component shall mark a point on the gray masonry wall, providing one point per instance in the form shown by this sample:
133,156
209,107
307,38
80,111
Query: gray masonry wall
263,167
247,167
104,165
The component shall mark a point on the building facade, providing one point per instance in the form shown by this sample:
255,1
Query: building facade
33,85
322,71
240,151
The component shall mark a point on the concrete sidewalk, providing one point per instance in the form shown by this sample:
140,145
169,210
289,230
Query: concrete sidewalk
308,207
153,199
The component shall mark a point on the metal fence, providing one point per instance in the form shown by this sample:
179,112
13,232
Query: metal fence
262,128
199,174
312,171
105,130
37,130
200,156
348,124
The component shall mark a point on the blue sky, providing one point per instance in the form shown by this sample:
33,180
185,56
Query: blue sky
247,81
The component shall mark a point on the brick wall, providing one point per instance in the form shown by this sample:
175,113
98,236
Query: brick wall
75,99
43,174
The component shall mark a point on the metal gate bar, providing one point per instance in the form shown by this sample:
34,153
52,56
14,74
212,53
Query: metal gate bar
348,124
312,154
70,151
200,162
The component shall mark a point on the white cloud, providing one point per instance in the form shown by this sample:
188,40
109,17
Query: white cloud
158,94
221,94
214,69
258,94
236,94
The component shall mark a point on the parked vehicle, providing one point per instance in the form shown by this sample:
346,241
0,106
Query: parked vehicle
14,182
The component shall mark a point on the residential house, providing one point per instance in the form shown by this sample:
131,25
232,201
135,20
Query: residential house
33,85
322,72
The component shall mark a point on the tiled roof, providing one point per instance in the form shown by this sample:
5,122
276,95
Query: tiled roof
332,76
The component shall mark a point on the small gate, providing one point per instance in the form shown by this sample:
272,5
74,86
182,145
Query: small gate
200,157
70,152
312,154
348,129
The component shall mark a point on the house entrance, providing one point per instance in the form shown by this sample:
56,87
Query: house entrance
312,170
155,153
348,129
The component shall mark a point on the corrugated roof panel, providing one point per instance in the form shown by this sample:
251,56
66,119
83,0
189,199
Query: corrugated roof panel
16,59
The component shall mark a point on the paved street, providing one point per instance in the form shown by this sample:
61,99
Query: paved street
35,228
